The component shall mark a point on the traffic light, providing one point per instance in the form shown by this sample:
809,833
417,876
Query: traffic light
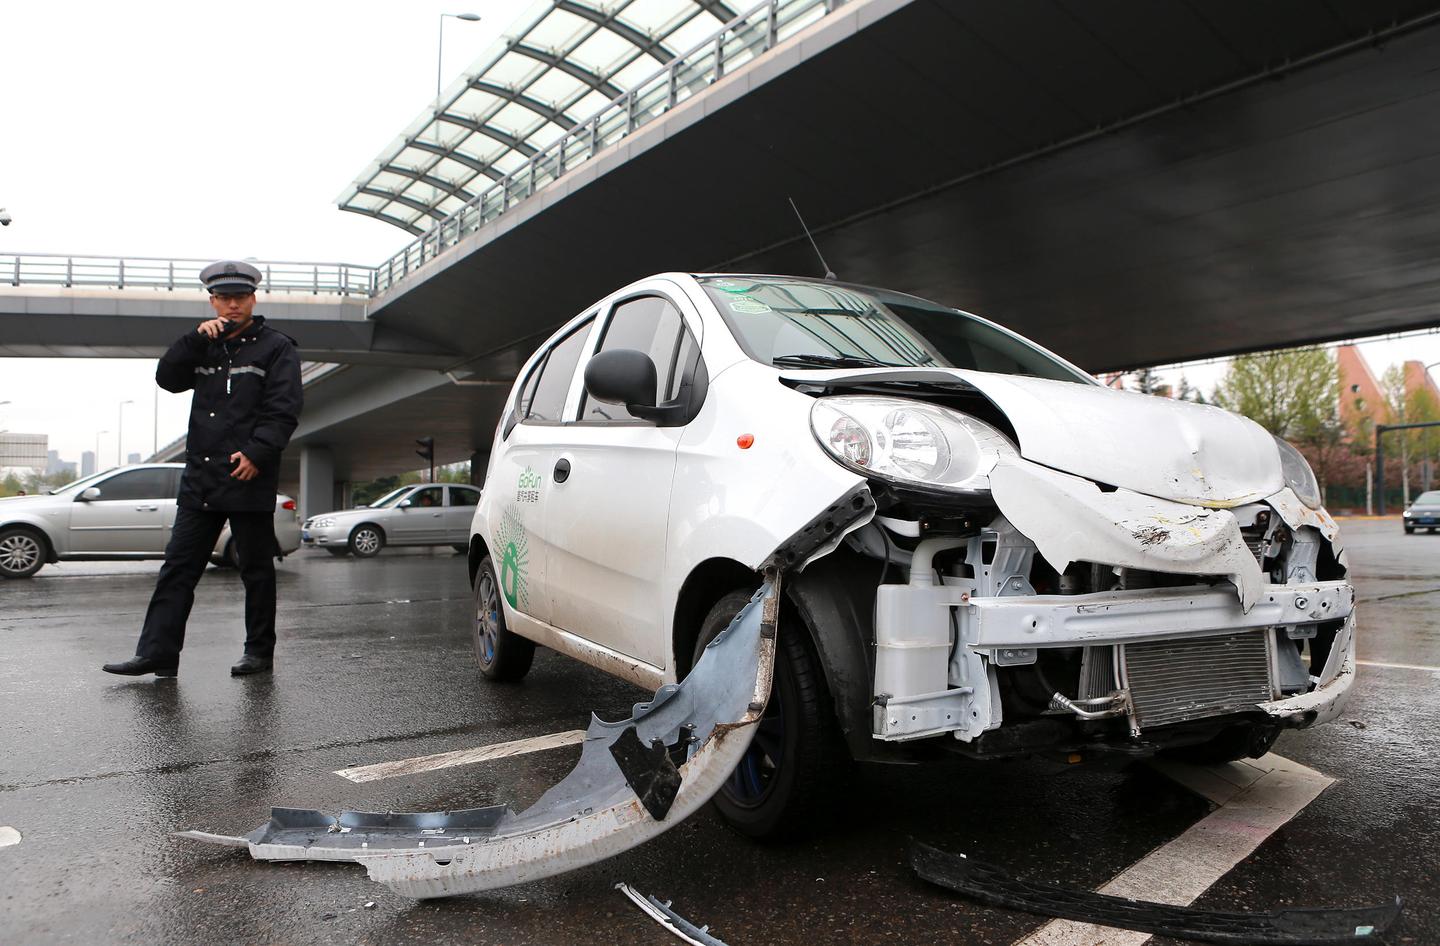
427,453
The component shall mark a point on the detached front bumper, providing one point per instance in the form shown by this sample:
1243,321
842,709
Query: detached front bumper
1153,656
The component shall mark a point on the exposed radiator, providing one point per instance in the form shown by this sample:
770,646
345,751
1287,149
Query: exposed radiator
1174,681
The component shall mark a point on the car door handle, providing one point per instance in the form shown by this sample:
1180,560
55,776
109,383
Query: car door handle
147,508
562,470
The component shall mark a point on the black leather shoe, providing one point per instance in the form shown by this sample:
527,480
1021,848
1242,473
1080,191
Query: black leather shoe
138,666
250,664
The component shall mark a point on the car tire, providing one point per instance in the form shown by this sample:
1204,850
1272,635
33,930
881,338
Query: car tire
1247,741
339,551
22,552
503,655
366,540
1409,531
777,791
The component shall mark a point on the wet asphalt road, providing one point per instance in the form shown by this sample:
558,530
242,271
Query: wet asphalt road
374,665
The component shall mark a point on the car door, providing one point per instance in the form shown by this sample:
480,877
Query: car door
518,487
608,512
128,517
418,519
460,504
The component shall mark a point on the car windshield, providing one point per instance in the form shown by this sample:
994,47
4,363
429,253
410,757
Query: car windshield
81,483
1431,498
390,498
793,323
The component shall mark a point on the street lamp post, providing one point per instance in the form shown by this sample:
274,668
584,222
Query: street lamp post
440,52
119,434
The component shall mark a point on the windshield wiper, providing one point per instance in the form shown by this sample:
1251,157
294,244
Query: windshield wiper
832,361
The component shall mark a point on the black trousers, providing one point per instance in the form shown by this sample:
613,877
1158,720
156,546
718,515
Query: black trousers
191,543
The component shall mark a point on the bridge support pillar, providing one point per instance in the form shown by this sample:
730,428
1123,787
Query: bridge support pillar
317,481
479,460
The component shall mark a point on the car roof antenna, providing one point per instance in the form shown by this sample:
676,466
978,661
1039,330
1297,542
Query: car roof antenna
829,273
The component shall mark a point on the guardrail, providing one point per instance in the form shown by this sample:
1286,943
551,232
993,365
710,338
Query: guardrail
738,42
127,272
741,40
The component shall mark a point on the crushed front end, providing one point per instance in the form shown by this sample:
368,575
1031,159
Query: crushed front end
1044,611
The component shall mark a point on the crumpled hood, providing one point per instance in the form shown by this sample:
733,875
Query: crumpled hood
1176,450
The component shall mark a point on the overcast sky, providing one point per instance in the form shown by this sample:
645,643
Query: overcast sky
209,130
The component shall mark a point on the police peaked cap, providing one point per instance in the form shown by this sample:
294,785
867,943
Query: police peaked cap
231,277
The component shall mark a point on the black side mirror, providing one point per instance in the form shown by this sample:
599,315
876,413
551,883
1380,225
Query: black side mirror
622,376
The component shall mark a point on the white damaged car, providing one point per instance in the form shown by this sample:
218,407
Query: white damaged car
1049,566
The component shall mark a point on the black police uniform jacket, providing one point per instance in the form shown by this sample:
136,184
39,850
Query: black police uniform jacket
247,399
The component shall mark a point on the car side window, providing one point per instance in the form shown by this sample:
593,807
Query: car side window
429,496
151,484
546,400
653,325
464,496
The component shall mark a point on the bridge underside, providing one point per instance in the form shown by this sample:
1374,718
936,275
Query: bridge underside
114,323
1027,161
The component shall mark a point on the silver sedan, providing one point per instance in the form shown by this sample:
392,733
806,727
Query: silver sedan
122,514
427,514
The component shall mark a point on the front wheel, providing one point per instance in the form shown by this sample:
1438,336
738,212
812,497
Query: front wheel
776,790
366,541
502,654
1246,741
22,553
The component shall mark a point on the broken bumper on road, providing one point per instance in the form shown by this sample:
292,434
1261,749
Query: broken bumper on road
635,778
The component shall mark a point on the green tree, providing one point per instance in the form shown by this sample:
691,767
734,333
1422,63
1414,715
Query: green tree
1294,394
1410,407
11,485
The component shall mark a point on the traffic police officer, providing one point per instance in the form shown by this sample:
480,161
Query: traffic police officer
246,378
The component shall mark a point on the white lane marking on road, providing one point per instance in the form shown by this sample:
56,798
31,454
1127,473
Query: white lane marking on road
1256,798
1377,663
8,836
444,760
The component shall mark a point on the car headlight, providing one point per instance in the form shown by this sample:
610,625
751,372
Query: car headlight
320,522
909,441
1298,475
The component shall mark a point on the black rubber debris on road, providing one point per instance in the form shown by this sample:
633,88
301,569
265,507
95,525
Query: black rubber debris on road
1313,927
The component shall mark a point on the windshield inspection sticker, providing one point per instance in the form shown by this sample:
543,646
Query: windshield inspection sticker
749,307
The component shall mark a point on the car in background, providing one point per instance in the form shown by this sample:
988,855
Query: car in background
1424,513
423,514
123,514
1020,560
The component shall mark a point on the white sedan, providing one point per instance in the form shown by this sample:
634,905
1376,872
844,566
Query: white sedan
121,514
1022,560
426,514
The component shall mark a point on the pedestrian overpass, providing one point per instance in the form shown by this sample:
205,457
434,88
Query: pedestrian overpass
1129,183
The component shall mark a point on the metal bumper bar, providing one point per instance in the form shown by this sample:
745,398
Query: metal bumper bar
1149,614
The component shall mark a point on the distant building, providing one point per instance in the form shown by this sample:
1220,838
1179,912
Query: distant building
133,458
87,463
55,465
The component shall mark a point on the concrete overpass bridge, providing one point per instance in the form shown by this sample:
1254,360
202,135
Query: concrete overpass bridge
1129,183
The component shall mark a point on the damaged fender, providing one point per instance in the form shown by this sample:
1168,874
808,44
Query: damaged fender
1072,520
635,778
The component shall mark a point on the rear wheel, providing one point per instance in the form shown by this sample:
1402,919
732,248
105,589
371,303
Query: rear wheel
501,654
777,788
366,541
22,553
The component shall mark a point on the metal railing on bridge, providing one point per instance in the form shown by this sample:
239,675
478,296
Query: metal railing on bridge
131,272
740,41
